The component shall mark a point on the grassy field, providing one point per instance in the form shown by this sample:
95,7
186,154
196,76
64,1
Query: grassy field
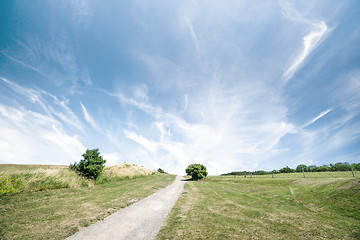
288,206
55,212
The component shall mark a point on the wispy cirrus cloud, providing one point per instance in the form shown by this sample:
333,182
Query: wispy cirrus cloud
319,31
149,145
34,132
310,42
49,104
53,59
322,114
194,36
208,139
24,64
32,137
88,117
210,85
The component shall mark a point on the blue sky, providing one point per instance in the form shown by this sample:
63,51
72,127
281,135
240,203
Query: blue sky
234,85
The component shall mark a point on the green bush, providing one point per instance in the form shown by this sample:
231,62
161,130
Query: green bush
160,170
196,171
91,166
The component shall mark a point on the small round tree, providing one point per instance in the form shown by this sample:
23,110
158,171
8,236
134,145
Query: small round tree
196,171
91,166
161,170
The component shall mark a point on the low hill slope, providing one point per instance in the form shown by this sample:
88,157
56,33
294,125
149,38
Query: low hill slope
127,170
15,178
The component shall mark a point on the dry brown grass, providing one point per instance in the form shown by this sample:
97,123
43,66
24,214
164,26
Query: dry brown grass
127,170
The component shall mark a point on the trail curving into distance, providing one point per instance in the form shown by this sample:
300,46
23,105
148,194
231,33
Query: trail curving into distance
141,220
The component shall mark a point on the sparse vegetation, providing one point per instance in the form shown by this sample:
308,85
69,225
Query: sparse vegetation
321,206
196,171
31,178
16,179
57,213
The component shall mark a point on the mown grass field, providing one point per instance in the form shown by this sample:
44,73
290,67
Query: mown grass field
40,208
288,206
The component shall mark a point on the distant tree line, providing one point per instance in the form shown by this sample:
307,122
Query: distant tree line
302,167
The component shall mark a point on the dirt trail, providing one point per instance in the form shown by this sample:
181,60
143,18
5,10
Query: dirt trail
142,220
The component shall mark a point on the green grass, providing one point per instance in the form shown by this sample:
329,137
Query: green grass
16,178
58,213
284,207
21,167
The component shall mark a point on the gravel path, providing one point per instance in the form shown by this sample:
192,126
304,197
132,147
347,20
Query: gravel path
141,220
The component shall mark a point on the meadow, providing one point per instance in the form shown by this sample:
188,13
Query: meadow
51,202
323,205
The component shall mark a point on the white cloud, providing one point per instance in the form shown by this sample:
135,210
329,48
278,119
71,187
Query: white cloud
53,59
18,61
310,42
141,140
88,117
141,91
224,107
165,134
194,36
319,31
235,116
228,131
30,137
50,104
322,114
112,158
34,133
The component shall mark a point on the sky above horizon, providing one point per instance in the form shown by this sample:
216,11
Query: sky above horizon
234,85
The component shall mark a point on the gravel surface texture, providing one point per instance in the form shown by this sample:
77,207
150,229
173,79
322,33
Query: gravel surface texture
141,220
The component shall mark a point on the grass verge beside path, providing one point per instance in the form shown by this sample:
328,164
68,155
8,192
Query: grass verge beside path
56,214
285,207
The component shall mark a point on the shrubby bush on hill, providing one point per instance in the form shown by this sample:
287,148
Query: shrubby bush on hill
91,166
196,171
161,170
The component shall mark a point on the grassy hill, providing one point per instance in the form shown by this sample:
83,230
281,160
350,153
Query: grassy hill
51,202
16,178
320,206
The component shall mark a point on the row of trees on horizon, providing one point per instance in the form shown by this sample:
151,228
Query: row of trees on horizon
340,166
